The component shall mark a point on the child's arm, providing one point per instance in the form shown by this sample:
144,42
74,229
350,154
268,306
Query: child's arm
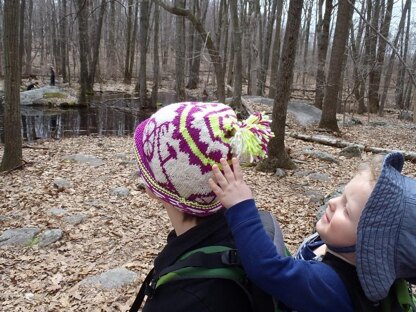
302,285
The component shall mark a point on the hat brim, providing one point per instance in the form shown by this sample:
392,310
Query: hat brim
182,204
378,230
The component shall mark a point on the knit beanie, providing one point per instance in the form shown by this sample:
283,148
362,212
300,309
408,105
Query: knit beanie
178,145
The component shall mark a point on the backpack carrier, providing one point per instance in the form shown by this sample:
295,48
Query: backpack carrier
223,262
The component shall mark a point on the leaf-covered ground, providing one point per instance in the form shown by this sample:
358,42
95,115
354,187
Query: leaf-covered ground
129,231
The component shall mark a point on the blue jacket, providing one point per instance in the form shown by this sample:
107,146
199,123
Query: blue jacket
303,285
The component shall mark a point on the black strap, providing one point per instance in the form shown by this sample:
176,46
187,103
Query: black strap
142,292
205,260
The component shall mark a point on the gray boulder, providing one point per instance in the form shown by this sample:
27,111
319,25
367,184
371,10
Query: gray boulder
61,183
84,159
120,191
50,236
320,155
59,212
350,152
28,97
75,219
18,237
304,113
111,279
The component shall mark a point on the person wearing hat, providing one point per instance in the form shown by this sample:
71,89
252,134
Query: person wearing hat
365,241
175,150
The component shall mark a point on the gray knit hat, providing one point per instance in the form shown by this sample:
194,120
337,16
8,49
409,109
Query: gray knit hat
386,242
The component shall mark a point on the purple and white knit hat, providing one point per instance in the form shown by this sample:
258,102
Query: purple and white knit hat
178,145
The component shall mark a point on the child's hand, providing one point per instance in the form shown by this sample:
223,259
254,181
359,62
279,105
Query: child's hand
229,187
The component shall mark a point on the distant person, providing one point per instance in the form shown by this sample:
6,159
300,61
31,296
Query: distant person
33,85
52,76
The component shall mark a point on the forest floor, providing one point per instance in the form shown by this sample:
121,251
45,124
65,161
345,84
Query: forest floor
129,231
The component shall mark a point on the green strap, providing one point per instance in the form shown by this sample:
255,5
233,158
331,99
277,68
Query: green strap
235,273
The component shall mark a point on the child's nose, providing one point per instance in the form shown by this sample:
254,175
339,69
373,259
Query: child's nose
332,203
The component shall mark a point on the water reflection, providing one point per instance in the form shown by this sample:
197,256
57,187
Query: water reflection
111,113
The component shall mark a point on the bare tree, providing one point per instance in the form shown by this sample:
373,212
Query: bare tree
329,118
236,101
266,49
141,86
28,46
323,38
276,50
156,77
12,156
22,32
278,157
1,38
180,53
129,42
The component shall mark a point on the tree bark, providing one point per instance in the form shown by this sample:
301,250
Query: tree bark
373,101
156,78
1,39
28,46
328,118
127,73
12,156
180,53
96,47
278,156
276,51
144,29
266,50
22,32
323,38
236,100
64,41
111,45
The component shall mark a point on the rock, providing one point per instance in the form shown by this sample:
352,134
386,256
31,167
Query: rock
111,279
18,237
59,212
28,97
315,197
280,173
321,155
75,219
61,183
302,173
406,115
350,152
84,159
378,123
304,113
120,191
319,177
50,236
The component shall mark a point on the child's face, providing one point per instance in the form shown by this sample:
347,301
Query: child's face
338,225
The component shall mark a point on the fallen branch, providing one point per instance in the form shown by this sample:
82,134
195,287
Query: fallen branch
411,156
34,147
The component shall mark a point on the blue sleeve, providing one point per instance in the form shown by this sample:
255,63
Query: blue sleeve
299,284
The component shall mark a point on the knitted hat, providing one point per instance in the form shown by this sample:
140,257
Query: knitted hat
178,145
386,234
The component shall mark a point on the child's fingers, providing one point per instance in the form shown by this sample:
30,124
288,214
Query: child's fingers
219,177
214,187
229,174
237,169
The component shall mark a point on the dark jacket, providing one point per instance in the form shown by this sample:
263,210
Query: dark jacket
202,295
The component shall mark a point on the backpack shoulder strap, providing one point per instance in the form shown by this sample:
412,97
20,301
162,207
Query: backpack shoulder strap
400,298
142,292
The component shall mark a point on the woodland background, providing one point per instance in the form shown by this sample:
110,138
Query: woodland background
355,60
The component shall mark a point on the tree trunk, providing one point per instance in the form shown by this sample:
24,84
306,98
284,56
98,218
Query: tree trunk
12,156
133,39
329,112
84,51
127,73
22,32
180,54
381,51
278,156
144,28
96,47
306,48
156,78
236,100
28,47
373,101
111,44
323,38
1,39
276,51
266,49
390,65
64,41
